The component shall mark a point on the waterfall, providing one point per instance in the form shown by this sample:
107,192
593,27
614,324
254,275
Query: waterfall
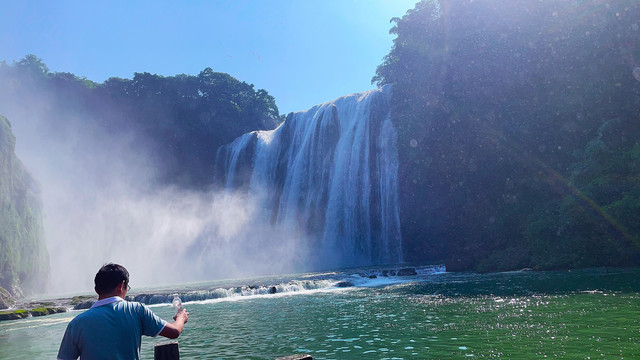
330,171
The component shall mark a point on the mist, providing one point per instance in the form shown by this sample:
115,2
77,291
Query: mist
102,203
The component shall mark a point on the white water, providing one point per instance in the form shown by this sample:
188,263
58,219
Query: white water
330,172
298,285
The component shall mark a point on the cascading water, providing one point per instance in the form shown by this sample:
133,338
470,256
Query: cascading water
330,171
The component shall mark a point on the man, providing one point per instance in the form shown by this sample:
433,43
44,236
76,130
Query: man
113,327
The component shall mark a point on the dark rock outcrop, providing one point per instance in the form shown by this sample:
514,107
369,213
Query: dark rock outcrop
407,272
13,315
46,311
84,305
343,284
23,313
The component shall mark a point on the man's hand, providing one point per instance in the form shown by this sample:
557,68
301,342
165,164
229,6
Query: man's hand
174,330
182,313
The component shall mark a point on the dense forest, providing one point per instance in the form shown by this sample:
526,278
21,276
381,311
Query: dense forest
177,121
519,132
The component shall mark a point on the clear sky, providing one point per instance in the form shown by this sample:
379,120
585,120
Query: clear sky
303,52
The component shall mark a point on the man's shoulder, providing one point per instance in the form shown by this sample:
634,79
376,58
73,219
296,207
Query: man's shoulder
87,314
142,311
123,304
132,304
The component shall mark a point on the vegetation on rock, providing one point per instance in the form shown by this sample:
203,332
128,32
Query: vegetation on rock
6,300
23,313
13,314
46,311
82,298
23,254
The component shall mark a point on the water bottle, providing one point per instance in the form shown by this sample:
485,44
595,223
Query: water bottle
177,303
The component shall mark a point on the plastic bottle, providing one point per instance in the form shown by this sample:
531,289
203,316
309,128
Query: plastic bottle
177,303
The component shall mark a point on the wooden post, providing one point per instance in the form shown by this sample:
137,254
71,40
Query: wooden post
296,357
166,351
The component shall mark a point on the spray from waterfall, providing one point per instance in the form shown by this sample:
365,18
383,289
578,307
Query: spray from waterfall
102,203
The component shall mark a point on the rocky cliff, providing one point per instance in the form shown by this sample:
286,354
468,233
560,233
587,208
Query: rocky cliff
23,255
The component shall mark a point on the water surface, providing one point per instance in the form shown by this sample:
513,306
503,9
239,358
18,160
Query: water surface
520,315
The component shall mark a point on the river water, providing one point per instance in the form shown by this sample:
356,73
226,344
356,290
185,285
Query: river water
518,315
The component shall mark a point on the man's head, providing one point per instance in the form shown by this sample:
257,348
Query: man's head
109,277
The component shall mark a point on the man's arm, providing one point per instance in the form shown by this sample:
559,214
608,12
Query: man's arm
68,348
174,329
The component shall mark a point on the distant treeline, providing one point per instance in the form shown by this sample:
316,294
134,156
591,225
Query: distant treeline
519,132
179,121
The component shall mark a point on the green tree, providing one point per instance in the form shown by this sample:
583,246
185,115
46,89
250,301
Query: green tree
178,121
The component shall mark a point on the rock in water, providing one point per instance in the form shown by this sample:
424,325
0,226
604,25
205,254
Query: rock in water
343,284
84,305
407,272
636,73
13,315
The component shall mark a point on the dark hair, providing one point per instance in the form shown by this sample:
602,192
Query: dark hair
109,276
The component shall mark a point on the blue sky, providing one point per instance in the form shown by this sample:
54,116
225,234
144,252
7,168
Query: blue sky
302,52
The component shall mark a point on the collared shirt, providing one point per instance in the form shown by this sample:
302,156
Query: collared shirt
107,301
111,329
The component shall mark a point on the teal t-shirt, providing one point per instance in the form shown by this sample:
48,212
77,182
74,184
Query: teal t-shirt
110,331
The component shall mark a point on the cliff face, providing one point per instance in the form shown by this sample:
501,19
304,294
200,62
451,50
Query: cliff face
24,261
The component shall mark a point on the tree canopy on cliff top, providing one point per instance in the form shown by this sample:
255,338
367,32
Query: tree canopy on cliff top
179,120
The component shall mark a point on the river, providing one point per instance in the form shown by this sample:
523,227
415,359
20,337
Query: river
581,314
